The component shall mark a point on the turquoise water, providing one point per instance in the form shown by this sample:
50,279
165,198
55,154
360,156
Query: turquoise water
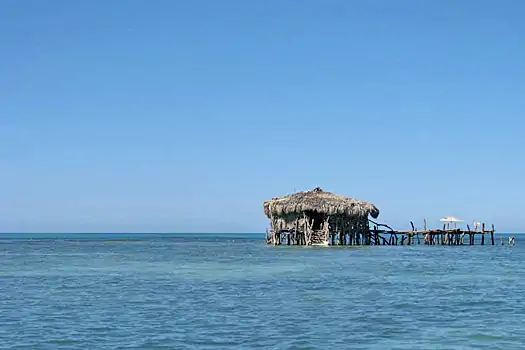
131,291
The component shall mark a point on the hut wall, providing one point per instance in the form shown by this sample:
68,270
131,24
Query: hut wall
306,230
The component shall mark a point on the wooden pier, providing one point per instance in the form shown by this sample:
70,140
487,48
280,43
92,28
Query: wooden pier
378,236
322,218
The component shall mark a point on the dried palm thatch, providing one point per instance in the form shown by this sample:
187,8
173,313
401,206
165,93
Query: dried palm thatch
318,201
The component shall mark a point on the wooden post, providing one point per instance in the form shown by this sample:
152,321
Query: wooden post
351,232
338,231
343,230
354,232
309,233
343,235
296,235
305,229
364,226
492,234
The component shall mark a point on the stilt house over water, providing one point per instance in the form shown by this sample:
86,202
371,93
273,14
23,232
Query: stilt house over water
314,217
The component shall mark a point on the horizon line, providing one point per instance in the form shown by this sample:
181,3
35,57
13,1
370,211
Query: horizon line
169,233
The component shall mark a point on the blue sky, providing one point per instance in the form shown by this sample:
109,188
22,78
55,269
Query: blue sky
174,116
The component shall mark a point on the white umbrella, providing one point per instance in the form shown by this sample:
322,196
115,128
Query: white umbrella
449,219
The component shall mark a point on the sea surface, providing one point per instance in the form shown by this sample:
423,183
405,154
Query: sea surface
151,291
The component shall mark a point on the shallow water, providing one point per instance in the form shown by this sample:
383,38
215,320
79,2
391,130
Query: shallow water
185,292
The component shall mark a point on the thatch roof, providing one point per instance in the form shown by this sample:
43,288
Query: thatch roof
319,201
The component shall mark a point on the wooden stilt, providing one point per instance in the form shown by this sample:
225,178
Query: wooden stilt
343,230
358,231
343,236
305,230
295,235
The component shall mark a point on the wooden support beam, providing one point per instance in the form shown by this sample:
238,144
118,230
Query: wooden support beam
296,229
343,230
305,229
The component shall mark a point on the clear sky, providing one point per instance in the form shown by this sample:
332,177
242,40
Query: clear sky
174,116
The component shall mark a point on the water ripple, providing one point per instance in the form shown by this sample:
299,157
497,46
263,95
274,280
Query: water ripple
224,294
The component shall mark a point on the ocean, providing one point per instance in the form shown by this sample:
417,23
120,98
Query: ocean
153,291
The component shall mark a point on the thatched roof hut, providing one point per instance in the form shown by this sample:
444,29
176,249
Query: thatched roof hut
318,201
316,214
